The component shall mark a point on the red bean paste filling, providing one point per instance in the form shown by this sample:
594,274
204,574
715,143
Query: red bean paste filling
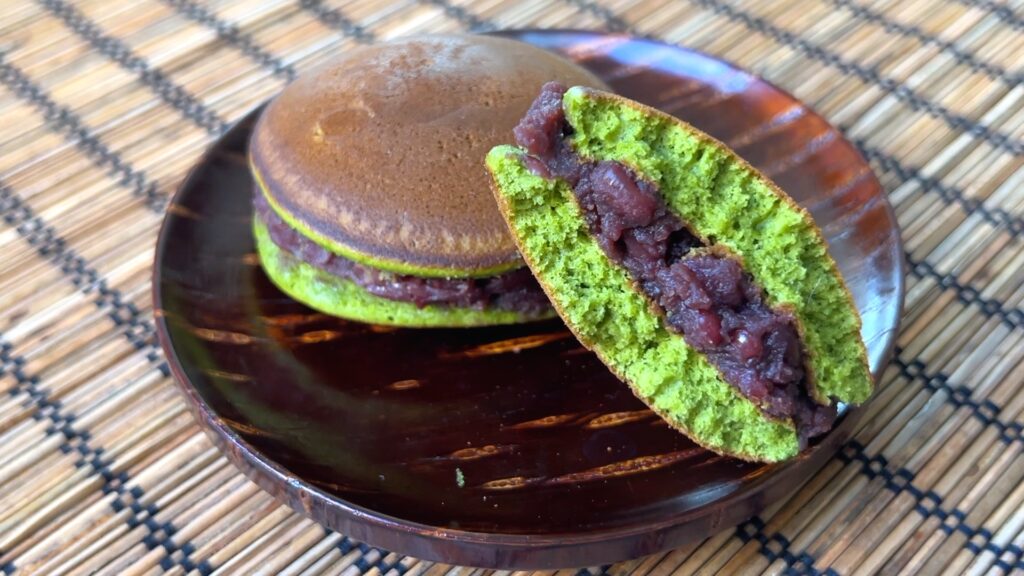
515,291
707,298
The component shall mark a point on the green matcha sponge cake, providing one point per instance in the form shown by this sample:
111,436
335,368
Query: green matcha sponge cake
691,275
370,202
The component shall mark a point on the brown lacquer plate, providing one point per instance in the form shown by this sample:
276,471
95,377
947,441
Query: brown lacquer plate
498,447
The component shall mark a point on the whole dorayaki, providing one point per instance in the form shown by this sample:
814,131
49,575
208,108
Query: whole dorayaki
372,202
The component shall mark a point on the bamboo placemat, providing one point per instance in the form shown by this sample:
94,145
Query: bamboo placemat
105,105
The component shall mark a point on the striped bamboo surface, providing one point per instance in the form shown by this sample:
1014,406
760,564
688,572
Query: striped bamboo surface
105,105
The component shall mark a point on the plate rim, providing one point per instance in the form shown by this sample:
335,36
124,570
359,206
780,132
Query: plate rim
495,549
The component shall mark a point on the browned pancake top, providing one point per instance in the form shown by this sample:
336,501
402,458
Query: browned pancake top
381,151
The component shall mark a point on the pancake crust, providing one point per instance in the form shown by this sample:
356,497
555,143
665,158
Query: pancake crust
378,155
339,297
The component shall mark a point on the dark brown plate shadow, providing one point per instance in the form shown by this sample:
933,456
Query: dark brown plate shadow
369,430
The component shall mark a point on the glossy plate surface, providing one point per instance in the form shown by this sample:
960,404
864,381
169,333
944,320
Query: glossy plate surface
371,430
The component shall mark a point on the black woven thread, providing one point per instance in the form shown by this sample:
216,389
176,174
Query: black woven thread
949,194
959,55
928,503
869,75
13,364
777,547
601,571
48,244
230,34
61,422
158,534
985,411
612,21
898,480
66,122
1003,12
346,545
332,18
136,329
1016,553
462,15
968,295
74,441
118,51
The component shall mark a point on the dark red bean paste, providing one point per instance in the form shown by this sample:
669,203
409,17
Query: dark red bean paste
703,293
516,291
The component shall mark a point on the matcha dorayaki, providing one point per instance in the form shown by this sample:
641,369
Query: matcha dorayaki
697,281
371,201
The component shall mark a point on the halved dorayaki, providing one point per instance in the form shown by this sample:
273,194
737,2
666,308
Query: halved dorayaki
696,280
